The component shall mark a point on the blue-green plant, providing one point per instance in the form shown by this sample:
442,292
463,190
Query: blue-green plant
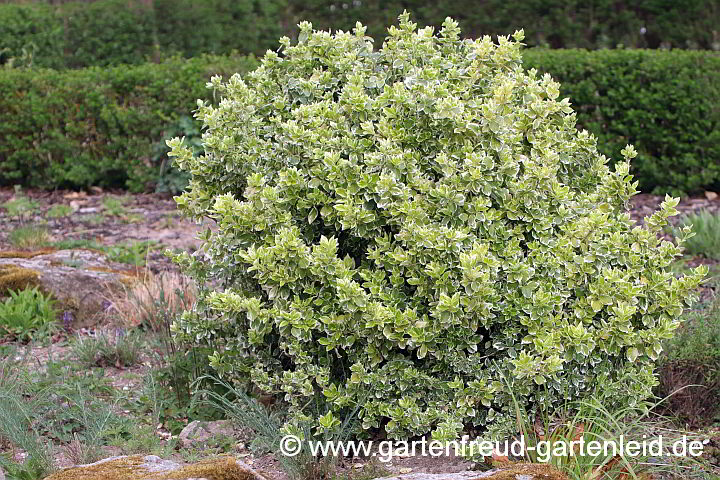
399,228
248,413
560,437
706,241
119,349
95,420
16,427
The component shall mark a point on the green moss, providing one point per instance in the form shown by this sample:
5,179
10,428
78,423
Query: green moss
16,278
131,468
26,253
226,468
536,471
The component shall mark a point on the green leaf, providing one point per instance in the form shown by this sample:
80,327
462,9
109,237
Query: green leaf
312,215
632,353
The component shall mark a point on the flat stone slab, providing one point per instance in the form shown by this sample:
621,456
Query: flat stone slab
200,432
79,279
518,471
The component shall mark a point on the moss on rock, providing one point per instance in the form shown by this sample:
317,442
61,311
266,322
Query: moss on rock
534,471
133,273
26,253
17,278
138,467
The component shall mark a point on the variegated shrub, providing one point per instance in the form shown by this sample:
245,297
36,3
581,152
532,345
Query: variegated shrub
414,231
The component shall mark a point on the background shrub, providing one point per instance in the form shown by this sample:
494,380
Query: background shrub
249,26
109,32
76,128
404,230
30,35
548,23
87,127
114,32
663,102
170,179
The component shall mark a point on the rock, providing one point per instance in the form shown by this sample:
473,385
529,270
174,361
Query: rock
75,195
711,196
199,432
78,279
2,474
469,475
150,467
518,471
75,204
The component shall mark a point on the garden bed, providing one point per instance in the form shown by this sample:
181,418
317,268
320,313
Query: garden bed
137,388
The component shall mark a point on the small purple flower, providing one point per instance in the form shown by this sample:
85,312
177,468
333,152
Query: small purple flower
106,305
119,333
67,320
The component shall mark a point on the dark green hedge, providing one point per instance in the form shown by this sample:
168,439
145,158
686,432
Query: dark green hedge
666,103
97,126
31,34
548,23
110,32
113,32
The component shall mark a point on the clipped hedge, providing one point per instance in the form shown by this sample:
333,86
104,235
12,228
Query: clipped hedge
666,103
109,32
114,32
75,35
56,124
26,30
551,23
73,129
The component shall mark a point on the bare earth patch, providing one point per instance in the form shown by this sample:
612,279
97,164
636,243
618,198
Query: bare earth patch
108,218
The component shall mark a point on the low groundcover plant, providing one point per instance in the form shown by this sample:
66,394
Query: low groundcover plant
401,228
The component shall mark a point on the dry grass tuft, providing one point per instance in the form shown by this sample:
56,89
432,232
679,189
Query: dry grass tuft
153,300
29,237
695,392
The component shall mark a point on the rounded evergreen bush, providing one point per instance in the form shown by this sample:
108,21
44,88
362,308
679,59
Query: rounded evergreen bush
418,234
